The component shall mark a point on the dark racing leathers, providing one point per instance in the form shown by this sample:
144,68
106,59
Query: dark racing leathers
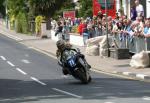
63,57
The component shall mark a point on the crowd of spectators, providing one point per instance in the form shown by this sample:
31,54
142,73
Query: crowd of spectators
128,32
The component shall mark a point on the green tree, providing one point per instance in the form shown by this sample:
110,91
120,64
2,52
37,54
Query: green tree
22,23
16,6
64,5
85,8
41,7
17,9
49,8
2,7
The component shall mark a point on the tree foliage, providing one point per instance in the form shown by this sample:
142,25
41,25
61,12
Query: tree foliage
41,7
2,7
85,8
16,6
49,8
17,10
22,24
64,5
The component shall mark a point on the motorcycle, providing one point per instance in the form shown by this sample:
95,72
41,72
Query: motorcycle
77,66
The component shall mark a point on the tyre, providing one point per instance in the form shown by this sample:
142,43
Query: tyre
82,75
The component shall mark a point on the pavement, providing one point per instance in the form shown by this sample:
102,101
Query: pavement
105,65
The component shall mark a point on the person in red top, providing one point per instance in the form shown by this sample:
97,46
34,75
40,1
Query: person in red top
80,27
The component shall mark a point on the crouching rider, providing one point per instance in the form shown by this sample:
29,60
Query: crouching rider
62,48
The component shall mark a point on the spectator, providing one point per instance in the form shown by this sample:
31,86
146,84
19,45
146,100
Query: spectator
139,8
147,29
59,31
139,26
85,32
65,32
133,13
54,24
90,29
100,15
80,27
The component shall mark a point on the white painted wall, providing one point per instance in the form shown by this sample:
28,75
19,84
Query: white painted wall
117,5
148,8
74,39
125,7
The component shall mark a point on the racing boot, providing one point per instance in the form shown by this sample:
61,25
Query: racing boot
88,65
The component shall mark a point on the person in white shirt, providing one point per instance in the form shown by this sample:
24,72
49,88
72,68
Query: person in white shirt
139,8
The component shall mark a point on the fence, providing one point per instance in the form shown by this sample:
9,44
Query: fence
135,44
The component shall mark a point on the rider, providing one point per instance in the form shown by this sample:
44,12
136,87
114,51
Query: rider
61,47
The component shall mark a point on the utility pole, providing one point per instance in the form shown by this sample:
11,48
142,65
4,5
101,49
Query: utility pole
106,13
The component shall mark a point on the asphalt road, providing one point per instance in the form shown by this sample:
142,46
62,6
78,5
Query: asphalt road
28,76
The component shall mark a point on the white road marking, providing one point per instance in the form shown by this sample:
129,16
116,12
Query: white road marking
28,98
25,61
61,91
108,102
146,98
35,79
21,71
11,64
3,58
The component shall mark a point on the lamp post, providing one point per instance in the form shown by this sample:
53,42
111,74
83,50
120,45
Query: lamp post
106,28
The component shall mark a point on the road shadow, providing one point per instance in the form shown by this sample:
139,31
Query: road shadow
18,91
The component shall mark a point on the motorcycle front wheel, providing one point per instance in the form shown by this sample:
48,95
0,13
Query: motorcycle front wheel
83,76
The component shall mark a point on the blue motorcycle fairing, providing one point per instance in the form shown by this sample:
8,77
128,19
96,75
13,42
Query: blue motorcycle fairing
71,62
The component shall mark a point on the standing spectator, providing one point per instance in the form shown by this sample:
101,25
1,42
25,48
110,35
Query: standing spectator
90,29
139,26
70,24
139,37
76,21
110,24
103,26
53,24
147,29
139,8
123,34
80,27
147,34
59,31
133,13
100,15
65,32
85,32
